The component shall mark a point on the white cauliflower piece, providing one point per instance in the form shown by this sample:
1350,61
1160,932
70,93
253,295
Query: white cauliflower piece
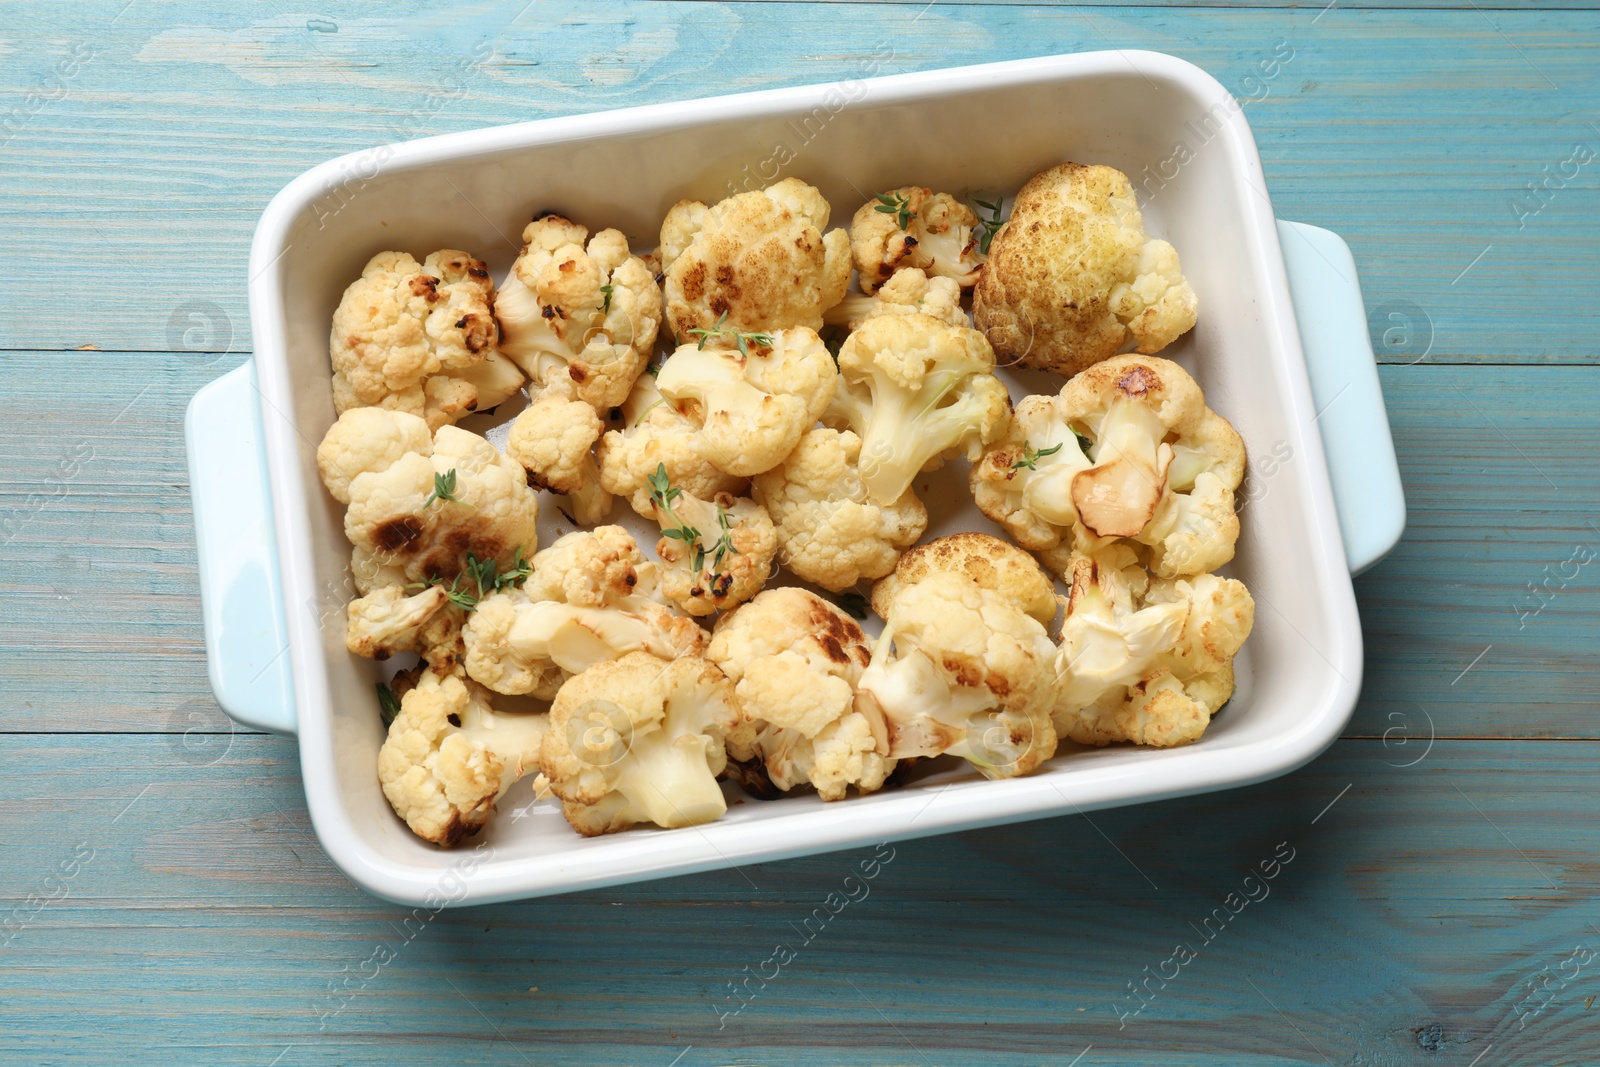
580,315
715,554
389,620
553,438
1160,469
1145,661
640,740
907,292
916,391
420,504
419,338
1024,480
751,406
761,259
449,757
829,532
1073,279
656,435
794,660
915,227
589,599
960,667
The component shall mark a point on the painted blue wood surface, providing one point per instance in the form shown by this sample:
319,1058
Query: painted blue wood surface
168,902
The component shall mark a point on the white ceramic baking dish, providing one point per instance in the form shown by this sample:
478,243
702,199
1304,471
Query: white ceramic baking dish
273,556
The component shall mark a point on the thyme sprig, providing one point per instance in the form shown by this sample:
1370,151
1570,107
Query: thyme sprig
991,225
1031,456
898,205
741,339
444,488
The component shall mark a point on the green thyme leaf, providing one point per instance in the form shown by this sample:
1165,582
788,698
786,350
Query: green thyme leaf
742,339
1031,456
724,546
991,225
444,488
388,704
605,309
662,491
518,572
898,205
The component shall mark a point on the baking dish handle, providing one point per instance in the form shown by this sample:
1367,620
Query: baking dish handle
1344,384
241,601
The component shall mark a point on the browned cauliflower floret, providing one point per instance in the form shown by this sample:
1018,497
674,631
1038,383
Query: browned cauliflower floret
1142,660
640,740
553,439
914,227
908,292
582,315
419,338
829,532
986,560
1138,456
655,435
394,619
916,391
751,404
961,667
449,756
589,599
419,504
794,660
715,554
1073,279
762,259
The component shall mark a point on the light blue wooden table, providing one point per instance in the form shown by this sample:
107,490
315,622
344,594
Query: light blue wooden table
169,904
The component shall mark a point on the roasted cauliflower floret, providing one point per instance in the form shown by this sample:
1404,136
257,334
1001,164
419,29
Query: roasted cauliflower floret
986,560
716,554
590,568
915,227
588,600
449,756
916,391
1142,660
961,668
553,439
1159,469
794,660
586,314
393,619
1073,279
829,532
654,435
909,291
419,504
760,258
1024,480
751,406
640,740
419,338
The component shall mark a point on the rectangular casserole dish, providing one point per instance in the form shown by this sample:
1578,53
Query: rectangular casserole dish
273,554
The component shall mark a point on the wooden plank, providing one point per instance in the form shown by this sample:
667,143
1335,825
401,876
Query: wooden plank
204,922
101,626
1310,8
149,163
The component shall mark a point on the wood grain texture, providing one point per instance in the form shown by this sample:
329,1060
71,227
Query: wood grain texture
1412,133
101,599
204,925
